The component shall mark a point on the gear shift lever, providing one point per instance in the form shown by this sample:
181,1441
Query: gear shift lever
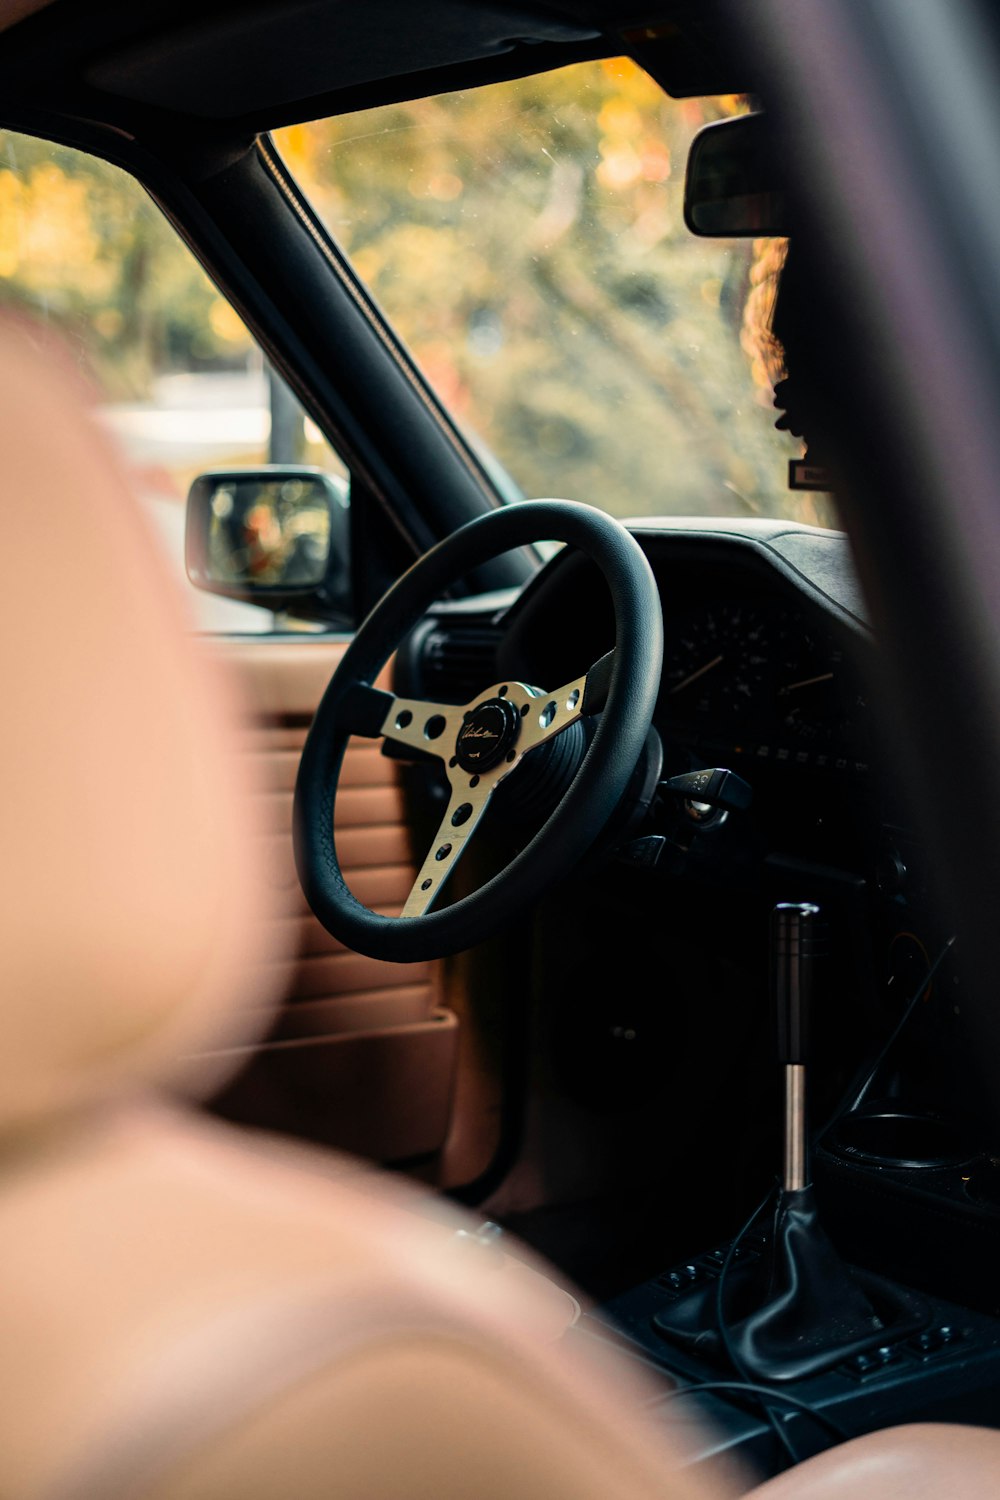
794,943
798,1309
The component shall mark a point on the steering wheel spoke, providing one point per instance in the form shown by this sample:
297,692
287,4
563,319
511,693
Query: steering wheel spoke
553,712
428,727
440,728
465,808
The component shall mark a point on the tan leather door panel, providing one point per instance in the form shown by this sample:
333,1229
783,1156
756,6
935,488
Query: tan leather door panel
361,1055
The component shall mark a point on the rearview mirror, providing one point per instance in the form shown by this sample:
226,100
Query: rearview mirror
271,536
735,184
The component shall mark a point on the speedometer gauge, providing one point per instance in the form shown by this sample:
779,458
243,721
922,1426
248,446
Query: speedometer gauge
763,679
808,701
722,663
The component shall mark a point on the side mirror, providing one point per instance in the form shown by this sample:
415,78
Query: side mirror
278,537
735,184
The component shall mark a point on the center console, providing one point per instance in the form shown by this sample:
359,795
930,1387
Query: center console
782,1341
948,1370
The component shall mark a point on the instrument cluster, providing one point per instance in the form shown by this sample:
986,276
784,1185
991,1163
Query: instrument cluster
765,663
753,676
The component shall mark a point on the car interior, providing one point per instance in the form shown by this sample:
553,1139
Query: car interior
500,987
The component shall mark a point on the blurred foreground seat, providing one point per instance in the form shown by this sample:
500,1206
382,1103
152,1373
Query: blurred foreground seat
187,1311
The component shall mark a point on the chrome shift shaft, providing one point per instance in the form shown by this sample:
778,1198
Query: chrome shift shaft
795,1165
793,949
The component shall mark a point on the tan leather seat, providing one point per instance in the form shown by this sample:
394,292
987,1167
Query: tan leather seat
187,1311
932,1461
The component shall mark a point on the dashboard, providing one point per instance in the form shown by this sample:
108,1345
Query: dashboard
768,671
649,964
767,653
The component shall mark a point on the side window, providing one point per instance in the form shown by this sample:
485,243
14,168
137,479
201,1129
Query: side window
182,385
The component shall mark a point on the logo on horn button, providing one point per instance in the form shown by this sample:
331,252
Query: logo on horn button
487,734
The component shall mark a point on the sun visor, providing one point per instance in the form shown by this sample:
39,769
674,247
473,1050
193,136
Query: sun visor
262,56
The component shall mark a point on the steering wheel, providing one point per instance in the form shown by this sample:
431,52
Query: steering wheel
485,740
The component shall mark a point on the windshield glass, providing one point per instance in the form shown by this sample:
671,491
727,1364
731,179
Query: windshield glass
527,242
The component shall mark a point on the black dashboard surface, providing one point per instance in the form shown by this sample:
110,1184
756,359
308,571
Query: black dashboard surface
762,659
768,671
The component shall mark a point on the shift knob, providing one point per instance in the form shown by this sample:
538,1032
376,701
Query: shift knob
795,944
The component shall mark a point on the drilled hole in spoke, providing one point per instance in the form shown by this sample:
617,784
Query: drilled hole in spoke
573,699
404,719
547,715
443,852
434,727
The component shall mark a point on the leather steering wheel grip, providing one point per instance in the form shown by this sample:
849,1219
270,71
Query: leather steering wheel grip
350,705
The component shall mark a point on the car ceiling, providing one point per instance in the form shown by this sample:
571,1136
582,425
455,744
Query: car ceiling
245,68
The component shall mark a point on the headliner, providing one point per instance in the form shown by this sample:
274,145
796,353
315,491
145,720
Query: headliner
221,66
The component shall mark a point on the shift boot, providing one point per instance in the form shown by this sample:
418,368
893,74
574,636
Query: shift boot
799,1309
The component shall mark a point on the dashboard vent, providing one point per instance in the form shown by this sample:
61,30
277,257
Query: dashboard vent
458,661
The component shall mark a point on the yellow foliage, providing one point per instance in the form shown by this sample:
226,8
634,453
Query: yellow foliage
620,117
633,81
226,323
620,165
59,239
444,186
10,223
109,322
297,148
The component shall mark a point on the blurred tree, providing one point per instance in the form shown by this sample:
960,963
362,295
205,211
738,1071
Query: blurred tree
527,240
87,251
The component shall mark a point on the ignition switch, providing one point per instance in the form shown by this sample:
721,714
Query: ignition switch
706,799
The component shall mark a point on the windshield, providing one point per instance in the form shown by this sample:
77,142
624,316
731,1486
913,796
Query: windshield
527,242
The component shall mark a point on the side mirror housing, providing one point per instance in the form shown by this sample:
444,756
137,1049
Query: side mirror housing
275,536
735,184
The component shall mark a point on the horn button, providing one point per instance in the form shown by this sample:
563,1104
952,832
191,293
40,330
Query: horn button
487,735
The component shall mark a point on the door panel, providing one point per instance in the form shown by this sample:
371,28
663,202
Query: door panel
362,1055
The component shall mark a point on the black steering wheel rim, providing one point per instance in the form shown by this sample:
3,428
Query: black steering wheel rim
350,706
